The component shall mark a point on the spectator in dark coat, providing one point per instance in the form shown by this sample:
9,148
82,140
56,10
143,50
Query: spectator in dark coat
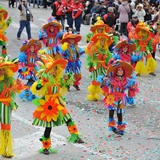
87,10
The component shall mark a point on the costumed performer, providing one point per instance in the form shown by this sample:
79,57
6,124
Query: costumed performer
156,39
98,27
115,36
51,34
143,41
8,89
28,57
4,23
72,53
98,56
118,80
51,106
125,51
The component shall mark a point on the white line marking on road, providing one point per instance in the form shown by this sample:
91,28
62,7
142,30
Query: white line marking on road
14,24
157,57
34,25
61,137
42,19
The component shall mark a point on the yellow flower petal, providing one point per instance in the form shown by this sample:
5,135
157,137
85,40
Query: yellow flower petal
40,109
48,118
60,107
47,97
43,115
54,117
57,101
42,102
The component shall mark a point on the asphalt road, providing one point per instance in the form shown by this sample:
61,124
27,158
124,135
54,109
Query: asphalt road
142,138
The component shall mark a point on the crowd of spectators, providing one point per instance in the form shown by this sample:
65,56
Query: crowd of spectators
119,13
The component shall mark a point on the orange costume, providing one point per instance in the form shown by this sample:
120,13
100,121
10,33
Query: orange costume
4,23
143,41
8,88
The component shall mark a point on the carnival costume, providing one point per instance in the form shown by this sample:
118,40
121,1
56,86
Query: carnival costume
125,51
8,88
4,23
156,39
143,41
118,81
98,56
51,110
51,34
27,63
98,27
72,53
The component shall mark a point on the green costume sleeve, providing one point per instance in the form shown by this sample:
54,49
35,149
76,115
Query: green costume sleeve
137,46
68,82
149,47
9,21
116,39
108,57
88,37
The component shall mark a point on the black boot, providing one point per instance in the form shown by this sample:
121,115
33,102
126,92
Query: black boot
76,87
46,152
79,140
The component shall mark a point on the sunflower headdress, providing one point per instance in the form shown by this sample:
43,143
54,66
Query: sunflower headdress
3,12
100,24
141,26
10,66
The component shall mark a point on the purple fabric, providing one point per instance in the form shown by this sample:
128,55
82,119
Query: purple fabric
123,10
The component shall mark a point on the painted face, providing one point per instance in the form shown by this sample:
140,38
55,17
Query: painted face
32,48
52,29
2,72
125,49
120,72
53,71
72,41
102,41
100,30
143,32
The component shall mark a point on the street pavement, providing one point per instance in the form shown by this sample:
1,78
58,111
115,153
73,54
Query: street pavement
142,138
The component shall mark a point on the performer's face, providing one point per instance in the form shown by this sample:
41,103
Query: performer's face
102,41
32,48
125,49
144,33
72,41
53,71
100,30
2,73
120,72
52,29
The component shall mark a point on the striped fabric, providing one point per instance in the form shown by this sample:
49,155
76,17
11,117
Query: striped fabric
5,114
51,124
98,72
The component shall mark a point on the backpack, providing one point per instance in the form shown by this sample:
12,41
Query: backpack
109,19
